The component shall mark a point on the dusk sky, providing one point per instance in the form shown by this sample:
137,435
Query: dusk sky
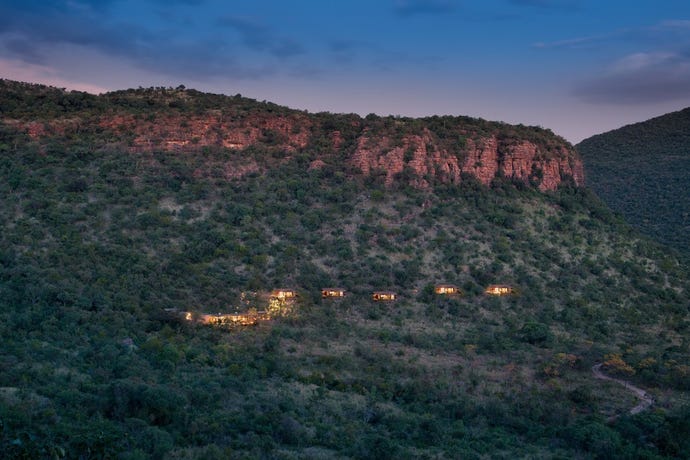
577,67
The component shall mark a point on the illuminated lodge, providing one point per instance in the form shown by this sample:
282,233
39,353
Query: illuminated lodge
284,294
499,290
332,293
282,302
230,319
446,289
383,296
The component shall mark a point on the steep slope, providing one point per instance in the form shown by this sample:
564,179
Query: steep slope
100,239
643,172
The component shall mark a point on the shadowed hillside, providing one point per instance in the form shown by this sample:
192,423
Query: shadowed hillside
643,172
107,245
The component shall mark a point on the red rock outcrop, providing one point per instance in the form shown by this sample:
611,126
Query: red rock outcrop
483,158
395,150
190,132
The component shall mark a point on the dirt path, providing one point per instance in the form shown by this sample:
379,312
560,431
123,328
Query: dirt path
646,400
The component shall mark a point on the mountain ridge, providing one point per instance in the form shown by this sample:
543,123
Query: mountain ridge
418,151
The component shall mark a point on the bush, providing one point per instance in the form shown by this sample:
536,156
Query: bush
535,333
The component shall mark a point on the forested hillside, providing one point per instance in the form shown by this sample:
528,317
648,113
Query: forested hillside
643,172
102,246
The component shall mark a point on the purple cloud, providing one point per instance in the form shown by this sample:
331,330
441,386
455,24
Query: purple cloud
640,78
28,33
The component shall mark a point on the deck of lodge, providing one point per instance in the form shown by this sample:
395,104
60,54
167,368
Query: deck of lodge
229,319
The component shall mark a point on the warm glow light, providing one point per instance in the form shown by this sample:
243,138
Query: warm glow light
383,296
446,289
332,292
497,289
284,293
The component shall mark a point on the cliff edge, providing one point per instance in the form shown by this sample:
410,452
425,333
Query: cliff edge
420,152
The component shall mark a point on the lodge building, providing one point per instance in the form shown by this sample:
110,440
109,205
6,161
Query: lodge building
332,293
446,289
499,290
383,296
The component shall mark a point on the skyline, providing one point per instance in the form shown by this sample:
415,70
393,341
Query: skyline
576,67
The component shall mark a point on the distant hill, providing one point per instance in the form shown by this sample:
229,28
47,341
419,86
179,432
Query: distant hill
643,172
122,213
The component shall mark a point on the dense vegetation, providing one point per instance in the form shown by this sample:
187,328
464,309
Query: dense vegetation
643,172
96,244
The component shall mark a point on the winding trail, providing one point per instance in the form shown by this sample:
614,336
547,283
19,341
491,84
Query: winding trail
646,400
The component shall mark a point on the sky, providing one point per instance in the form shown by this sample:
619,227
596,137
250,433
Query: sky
577,67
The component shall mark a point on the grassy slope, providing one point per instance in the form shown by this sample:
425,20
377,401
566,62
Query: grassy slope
643,172
96,243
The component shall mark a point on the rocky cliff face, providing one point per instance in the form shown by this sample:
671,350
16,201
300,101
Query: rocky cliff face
191,132
428,160
420,151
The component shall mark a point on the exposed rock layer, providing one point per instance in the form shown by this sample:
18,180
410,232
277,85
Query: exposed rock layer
416,151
